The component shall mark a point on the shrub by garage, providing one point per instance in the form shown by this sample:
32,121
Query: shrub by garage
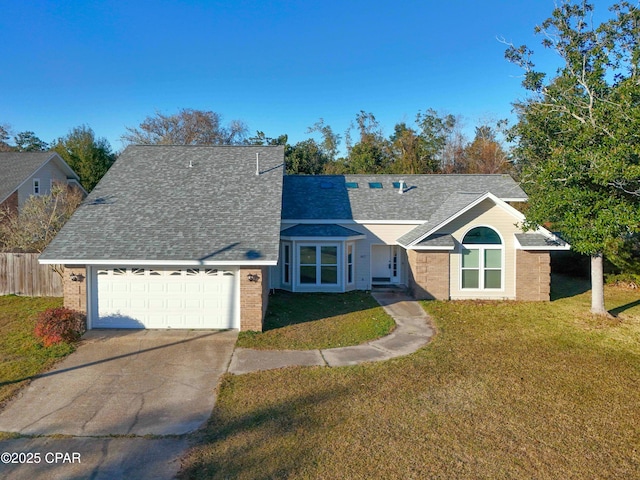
60,325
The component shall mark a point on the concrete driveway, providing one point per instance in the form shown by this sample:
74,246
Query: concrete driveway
126,382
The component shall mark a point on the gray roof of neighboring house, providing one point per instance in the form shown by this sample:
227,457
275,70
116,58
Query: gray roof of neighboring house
322,230
537,240
180,203
16,167
326,197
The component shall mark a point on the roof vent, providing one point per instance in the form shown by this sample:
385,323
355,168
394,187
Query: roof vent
257,163
190,163
401,186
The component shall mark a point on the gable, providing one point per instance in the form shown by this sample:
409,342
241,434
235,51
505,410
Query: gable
19,168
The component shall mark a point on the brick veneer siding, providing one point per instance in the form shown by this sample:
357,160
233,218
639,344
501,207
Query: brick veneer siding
75,293
429,274
533,276
254,298
10,204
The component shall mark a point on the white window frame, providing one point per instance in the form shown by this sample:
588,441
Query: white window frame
482,248
350,263
318,264
287,264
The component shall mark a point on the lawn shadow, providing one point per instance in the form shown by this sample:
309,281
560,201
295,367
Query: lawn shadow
287,308
618,310
241,446
563,286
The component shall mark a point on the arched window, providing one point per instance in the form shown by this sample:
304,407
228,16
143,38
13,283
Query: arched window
481,266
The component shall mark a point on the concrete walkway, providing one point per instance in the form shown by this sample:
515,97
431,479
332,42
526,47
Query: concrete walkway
413,330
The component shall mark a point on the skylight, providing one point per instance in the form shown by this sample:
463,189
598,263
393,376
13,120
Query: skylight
375,185
351,184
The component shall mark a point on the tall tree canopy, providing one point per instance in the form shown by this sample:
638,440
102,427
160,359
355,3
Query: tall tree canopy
29,142
88,156
577,134
187,127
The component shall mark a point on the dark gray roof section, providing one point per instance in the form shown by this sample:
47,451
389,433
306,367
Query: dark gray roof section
180,203
442,240
537,240
325,197
453,204
321,230
16,167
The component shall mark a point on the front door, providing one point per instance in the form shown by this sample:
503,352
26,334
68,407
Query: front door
385,265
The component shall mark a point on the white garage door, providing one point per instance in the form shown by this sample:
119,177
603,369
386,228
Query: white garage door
165,298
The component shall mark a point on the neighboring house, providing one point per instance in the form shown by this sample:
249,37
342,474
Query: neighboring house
23,174
195,237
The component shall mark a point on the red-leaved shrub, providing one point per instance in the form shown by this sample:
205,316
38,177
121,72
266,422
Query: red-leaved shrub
56,325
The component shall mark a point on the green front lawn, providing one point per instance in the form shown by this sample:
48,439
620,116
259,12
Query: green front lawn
302,321
505,390
21,355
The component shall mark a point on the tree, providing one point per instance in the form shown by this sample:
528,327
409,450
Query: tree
187,127
442,138
39,220
306,157
372,153
88,156
330,140
577,135
4,136
28,142
262,139
485,153
411,152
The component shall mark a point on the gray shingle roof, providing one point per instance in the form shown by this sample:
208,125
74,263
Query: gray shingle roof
443,240
326,197
452,205
322,230
537,240
16,167
152,206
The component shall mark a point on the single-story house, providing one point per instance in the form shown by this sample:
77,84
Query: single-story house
197,236
23,174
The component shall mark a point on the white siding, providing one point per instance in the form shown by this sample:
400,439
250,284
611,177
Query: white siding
47,173
377,234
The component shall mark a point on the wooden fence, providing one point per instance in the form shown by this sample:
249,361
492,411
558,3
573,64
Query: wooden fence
21,274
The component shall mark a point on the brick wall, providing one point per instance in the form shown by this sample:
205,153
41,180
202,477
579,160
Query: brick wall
254,298
533,275
429,274
75,293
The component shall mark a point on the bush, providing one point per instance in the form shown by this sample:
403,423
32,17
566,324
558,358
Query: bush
58,325
629,280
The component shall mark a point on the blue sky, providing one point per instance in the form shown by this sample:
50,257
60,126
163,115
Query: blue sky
277,65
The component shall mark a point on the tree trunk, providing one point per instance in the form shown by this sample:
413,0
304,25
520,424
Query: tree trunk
597,285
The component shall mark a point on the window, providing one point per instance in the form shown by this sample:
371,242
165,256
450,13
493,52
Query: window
350,263
375,185
351,184
481,266
286,267
318,264
36,186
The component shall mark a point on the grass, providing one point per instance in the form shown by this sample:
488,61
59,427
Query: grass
21,354
505,390
303,321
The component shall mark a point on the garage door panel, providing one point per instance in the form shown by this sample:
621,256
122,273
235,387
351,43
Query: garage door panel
164,298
